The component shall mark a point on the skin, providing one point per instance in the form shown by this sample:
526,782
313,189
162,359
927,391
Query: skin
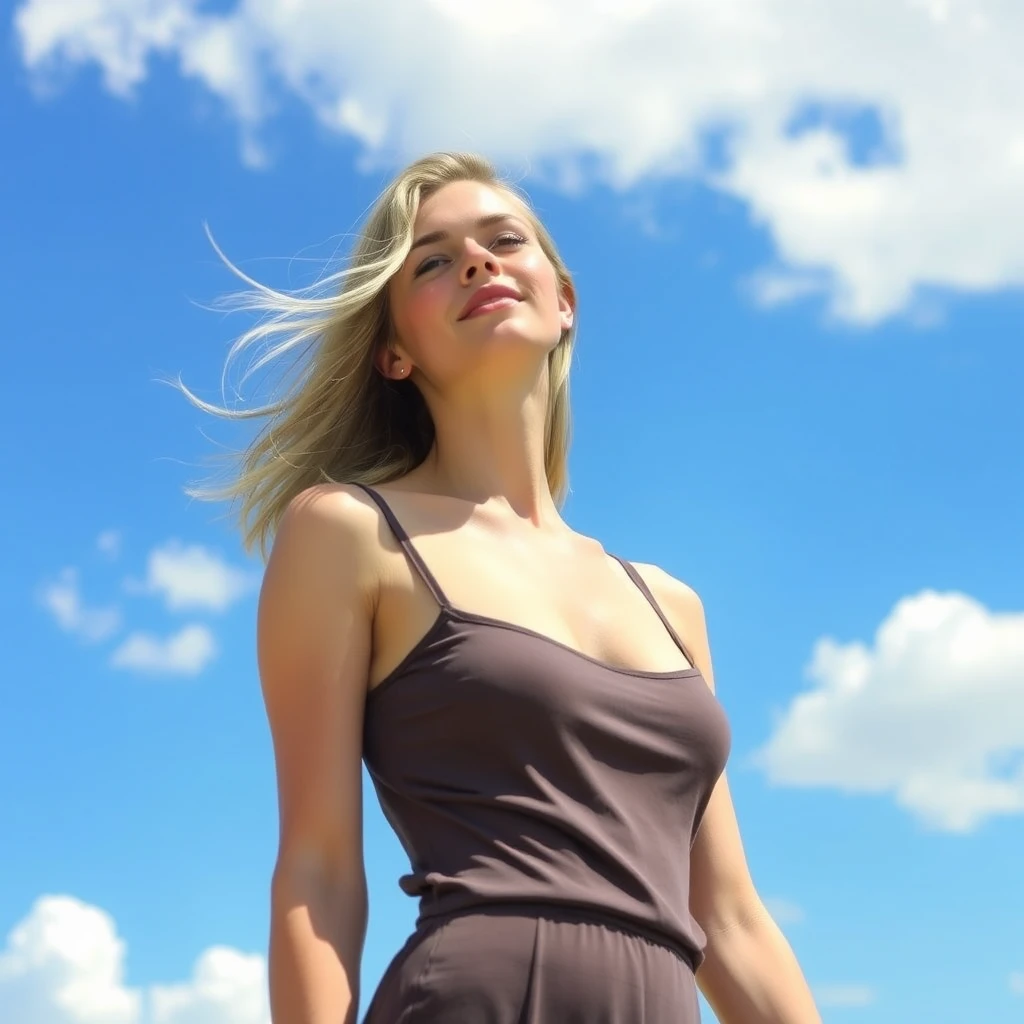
484,379
331,614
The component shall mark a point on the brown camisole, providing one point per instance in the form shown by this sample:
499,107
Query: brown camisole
517,770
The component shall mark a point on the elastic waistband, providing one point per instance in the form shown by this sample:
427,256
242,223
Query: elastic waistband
570,913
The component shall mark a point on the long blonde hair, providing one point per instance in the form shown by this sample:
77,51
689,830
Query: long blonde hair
341,420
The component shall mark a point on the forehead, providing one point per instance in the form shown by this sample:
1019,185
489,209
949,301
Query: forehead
462,201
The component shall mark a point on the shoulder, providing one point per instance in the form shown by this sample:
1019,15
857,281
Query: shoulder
328,536
685,610
674,595
338,508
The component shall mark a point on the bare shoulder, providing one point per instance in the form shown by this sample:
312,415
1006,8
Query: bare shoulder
673,594
314,630
327,521
685,610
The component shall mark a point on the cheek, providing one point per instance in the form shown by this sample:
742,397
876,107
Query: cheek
422,308
543,279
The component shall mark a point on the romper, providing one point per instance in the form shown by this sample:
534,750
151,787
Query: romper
547,802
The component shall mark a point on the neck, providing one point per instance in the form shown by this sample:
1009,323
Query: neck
490,449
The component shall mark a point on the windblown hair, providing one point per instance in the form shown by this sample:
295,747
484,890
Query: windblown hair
341,420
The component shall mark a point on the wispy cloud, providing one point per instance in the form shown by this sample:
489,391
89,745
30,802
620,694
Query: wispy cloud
836,996
185,653
932,713
1016,982
839,159
62,598
784,911
65,964
190,577
109,543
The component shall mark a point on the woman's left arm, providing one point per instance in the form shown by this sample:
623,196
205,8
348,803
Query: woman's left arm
749,974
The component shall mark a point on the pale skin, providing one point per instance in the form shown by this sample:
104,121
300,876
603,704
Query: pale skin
341,606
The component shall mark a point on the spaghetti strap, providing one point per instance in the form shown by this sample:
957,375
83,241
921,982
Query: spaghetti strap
646,591
407,546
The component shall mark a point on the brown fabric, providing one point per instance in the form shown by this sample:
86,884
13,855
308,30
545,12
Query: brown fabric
517,771
533,965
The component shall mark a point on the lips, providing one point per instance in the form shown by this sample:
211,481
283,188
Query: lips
488,293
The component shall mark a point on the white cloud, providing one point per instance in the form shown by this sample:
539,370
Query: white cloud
194,577
835,996
778,287
64,964
1016,982
109,543
600,89
63,599
784,911
932,713
186,653
227,987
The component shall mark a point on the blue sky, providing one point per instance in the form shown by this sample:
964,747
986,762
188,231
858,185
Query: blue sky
797,388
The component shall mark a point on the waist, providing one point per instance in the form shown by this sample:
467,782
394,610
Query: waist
433,914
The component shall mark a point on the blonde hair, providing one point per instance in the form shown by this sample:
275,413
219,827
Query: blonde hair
342,421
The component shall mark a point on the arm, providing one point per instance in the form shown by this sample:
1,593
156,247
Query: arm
749,975
313,641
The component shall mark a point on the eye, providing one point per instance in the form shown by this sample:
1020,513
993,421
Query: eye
509,238
506,238
426,265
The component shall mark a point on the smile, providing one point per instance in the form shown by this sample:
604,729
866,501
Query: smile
501,302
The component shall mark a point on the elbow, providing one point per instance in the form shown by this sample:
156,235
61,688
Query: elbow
317,931
730,913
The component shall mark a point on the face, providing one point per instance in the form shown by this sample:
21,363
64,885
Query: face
475,292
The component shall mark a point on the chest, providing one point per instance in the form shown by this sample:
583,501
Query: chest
570,592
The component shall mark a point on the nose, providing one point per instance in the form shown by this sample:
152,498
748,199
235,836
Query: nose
476,260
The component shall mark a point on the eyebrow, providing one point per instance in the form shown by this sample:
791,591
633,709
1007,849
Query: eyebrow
483,222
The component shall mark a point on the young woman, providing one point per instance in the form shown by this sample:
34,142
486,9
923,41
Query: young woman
537,715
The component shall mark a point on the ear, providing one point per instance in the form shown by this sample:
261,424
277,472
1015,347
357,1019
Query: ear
389,363
567,306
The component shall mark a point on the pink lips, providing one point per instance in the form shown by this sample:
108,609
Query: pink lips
488,298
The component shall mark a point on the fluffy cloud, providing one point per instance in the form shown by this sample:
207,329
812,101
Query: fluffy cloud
879,142
932,713
227,987
64,964
186,653
63,599
194,577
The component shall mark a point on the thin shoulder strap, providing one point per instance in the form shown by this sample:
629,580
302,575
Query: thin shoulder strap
410,552
645,590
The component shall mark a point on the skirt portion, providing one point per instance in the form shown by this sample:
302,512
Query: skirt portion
549,966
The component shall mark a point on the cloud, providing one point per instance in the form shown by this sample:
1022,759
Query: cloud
878,144
186,653
194,577
109,543
784,911
1016,982
64,964
62,598
227,987
931,713
835,996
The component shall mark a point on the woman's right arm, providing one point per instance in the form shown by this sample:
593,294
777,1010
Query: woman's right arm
314,641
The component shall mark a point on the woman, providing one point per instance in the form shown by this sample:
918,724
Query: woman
538,716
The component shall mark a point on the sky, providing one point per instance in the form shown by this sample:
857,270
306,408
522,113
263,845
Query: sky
797,236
